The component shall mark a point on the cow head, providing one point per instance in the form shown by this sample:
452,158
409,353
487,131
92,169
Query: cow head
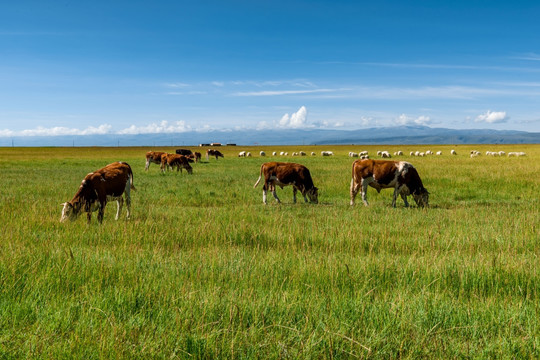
421,196
313,195
69,212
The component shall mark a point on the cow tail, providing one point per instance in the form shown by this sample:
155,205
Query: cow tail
130,173
353,172
259,179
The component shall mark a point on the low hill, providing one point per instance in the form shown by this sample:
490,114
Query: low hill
389,135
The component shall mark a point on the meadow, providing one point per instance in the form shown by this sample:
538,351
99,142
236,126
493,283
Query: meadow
204,270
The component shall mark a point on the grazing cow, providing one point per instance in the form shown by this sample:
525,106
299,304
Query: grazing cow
197,156
242,154
385,154
327,153
502,153
295,154
98,187
453,152
313,153
274,153
185,152
353,154
153,157
248,154
283,174
303,153
382,174
175,160
439,152
262,153
282,153
212,152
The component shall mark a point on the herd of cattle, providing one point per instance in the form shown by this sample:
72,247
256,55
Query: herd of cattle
115,180
385,154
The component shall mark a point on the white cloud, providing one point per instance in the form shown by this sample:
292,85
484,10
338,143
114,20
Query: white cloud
59,131
193,92
365,121
6,133
284,92
296,120
177,85
162,127
492,117
407,120
263,125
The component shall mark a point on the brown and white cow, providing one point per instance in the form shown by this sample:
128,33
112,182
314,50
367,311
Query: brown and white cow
98,187
383,174
212,152
153,157
175,160
283,174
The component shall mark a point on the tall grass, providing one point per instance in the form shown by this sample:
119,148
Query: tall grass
205,270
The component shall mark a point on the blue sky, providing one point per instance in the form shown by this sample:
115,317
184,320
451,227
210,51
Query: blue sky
124,67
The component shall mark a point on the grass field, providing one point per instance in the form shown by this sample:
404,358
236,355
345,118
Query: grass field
204,270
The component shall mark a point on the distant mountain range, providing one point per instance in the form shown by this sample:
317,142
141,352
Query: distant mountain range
391,135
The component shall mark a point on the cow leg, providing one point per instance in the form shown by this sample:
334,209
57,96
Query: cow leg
265,191
89,217
404,197
147,165
273,190
275,195
119,204
364,192
101,212
354,190
394,198
294,194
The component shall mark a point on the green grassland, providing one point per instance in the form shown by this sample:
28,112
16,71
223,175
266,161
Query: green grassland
203,270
